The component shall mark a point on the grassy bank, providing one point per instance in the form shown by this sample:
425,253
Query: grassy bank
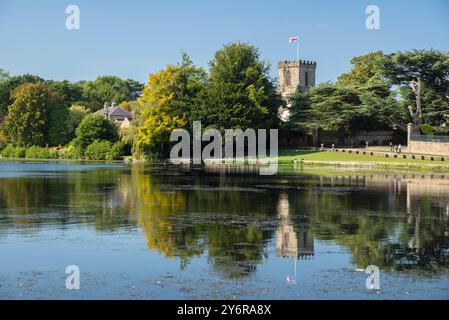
340,159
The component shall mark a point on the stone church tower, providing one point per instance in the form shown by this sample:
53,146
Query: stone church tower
291,75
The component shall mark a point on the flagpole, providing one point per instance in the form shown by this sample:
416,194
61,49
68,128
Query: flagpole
297,49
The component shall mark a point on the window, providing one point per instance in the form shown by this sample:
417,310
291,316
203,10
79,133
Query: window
288,79
307,79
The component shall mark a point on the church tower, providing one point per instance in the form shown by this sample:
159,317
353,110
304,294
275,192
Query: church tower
292,74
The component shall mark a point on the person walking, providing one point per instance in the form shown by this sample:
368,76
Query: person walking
391,146
399,148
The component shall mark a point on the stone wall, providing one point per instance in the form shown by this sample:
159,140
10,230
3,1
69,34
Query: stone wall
300,139
374,138
428,147
296,139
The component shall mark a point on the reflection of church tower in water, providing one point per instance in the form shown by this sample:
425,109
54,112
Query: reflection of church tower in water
290,242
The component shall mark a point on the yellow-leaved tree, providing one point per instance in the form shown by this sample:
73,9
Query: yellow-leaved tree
165,105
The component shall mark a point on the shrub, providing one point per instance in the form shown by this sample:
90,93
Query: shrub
8,151
98,150
427,129
40,153
71,152
117,151
13,152
2,146
19,152
104,150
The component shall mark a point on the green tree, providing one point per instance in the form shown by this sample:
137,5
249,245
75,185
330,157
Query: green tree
76,114
58,132
301,115
70,93
240,92
365,69
382,108
26,123
95,127
8,85
420,70
336,107
347,109
134,89
109,89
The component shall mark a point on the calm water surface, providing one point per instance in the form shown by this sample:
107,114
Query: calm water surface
162,232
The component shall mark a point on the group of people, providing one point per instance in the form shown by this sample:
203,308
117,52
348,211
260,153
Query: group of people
395,148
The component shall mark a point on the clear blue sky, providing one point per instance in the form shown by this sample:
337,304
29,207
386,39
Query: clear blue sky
132,38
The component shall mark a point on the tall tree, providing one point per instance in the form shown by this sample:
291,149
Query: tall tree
365,69
336,107
58,116
240,93
109,89
70,93
346,109
76,114
26,123
166,103
420,70
8,85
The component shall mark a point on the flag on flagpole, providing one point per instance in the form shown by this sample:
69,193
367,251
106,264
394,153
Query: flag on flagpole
295,40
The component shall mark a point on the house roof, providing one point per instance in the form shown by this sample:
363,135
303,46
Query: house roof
115,111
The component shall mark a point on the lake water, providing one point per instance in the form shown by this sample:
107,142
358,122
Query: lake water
164,232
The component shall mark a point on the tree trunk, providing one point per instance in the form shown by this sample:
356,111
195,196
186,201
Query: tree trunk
416,114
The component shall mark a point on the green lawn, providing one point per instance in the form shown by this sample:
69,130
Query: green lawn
289,155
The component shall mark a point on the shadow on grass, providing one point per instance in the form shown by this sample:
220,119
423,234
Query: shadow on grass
284,152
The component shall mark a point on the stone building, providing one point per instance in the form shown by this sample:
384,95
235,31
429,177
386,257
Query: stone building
294,74
291,75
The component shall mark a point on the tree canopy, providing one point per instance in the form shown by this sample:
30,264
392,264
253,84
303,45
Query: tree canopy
166,103
365,69
375,94
27,121
425,72
9,84
95,127
109,89
239,93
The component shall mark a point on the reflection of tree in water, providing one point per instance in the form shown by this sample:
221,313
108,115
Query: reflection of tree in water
184,222
156,210
400,224
381,222
63,198
401,232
